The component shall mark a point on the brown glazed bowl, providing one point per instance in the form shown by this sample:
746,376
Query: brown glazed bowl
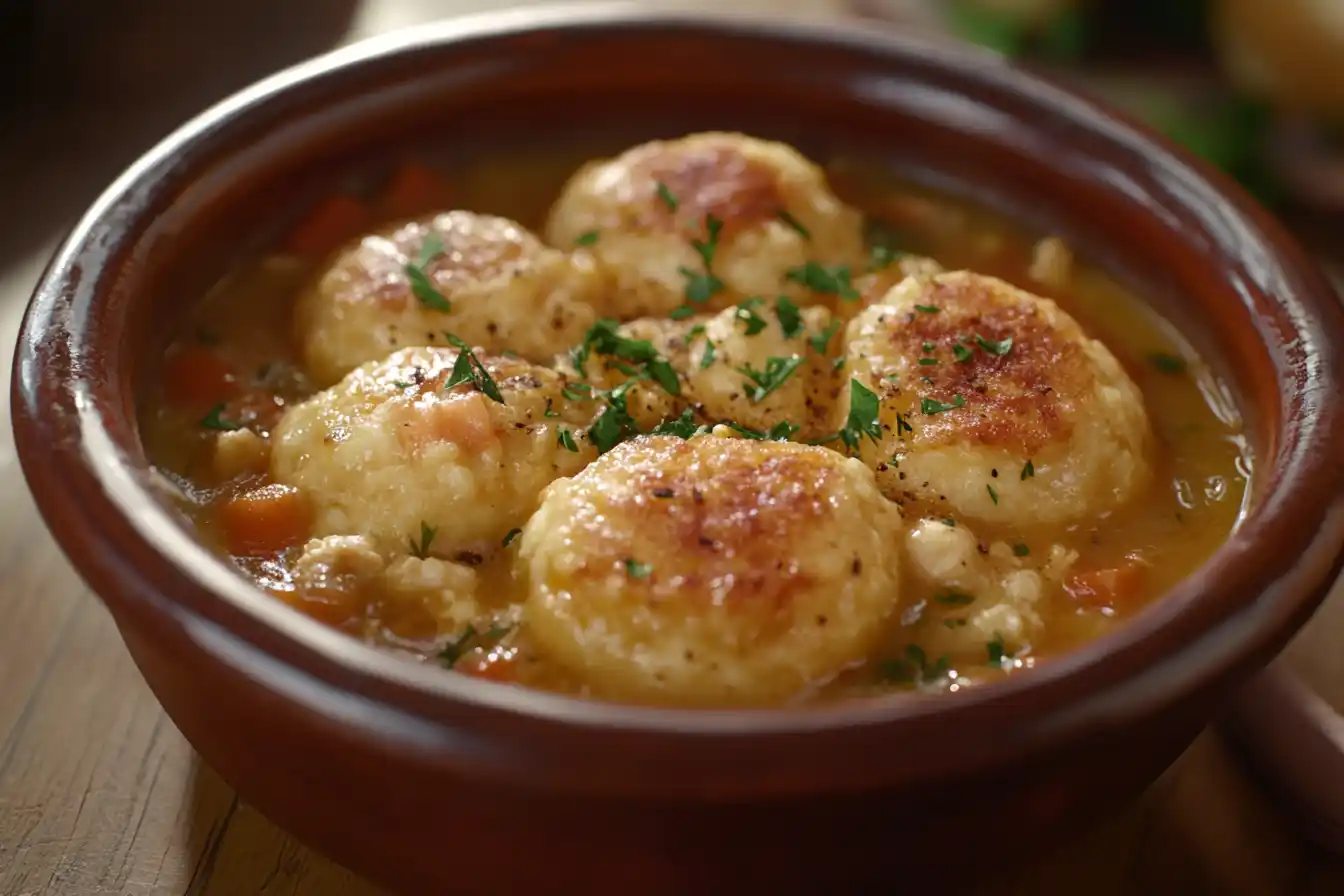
434,783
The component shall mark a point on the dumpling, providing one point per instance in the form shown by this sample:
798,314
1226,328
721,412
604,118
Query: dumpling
709,219
993,404
485,279
393,454
711,571
758,365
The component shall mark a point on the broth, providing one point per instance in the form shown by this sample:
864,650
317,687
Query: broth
234,362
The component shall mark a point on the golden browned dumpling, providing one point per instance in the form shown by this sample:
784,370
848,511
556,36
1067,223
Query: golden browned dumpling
395,454
992,403
711,571
483,278
710,218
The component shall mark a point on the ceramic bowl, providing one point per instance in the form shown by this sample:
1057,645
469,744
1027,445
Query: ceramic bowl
434,783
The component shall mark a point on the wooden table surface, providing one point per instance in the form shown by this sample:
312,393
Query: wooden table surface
99,793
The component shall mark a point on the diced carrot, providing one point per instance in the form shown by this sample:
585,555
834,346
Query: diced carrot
329,225
495,665
1115,587
334,607
265,520
195,376
412,190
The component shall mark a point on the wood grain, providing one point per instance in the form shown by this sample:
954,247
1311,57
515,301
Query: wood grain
99,793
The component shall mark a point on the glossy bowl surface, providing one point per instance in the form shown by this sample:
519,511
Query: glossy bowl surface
439,783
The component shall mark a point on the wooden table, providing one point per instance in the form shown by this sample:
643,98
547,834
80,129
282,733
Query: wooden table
99,793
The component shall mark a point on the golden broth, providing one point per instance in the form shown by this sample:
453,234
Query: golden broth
237,349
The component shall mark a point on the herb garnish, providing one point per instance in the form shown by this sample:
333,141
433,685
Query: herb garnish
1165,363
993,495
666,195
421,285
1021,550
708,357
998,654
701,286
511,535
681,312
565,440
637,570
683,427
586,239
212,420
1002,347
468,369
927,362
746,312
932,406
763,382
550,411
790,318
614,425
1028,470
880,257
915,667
455,649
794,223
603,338
862,419
818,277
821,340
928,309
961,353
903,425
954,598
780,432
427,533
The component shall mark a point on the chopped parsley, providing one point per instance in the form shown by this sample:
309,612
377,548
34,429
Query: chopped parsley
780,432
903,425
427,533
700,286
762,382
1021,550
550,411
402,384
1002,347
1166,363
927,362
213,420
862,419
998,654
566,440
422,287
834,281
1028,470
636,570
681,312
954,598
666,195
586,239
614,425
455,649
790,318
604,338
511,535
993,495
928,309
577,392
468,369
708,357
683,427
931,406
795,224
961,353
914,667
746,312
821,340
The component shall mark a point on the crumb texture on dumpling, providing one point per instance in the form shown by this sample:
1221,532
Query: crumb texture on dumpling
393,454
994,404
643,212
485,279
711,571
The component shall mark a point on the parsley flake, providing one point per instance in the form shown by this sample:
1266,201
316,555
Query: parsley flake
666,195
604,338
881,257
862,420
961,353
511,535
637,570
931,406
997,653
681,312
834,281
565,439
820,341
954,598
1165,363
455,649
586,239
795,225
746,312
683,427
1028,471
422,286
468,369
708,357
928,309
993,495
427,533
780,432
763,382
1002,347
790,318
213,420
1021,550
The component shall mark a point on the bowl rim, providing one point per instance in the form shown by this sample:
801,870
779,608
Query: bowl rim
1310,432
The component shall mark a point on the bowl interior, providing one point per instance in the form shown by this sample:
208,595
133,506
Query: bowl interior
1201,252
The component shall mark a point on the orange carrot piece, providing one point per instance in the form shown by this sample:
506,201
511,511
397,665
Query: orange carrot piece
412,190
1116,587
328,226
495,665
195,376
265,520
